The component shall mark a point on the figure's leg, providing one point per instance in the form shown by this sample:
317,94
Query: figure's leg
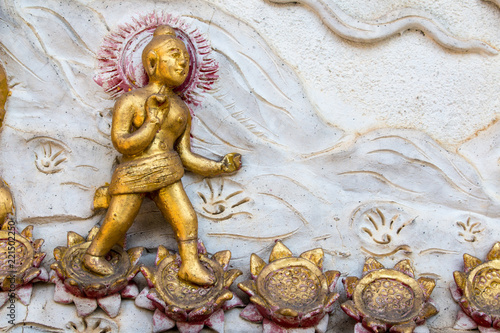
177,209
121,213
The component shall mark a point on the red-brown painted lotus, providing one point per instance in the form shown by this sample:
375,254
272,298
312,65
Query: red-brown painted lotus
290,292
188,306
388,300
75,283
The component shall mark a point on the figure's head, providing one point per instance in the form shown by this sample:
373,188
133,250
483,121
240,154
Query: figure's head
4,93
165,58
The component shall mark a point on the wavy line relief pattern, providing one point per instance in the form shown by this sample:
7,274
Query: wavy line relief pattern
393,23
496,2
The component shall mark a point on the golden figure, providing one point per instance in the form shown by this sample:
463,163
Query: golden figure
6,204
151,128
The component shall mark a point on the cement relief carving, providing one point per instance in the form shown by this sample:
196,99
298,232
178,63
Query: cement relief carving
381,191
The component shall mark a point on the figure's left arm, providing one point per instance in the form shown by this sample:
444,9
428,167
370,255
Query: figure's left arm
201,165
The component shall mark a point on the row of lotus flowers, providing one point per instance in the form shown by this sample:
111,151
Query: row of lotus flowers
286,294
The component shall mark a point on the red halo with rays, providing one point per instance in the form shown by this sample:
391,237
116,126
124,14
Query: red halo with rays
119,58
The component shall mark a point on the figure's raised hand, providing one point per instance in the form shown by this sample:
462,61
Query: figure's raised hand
231,162
157,107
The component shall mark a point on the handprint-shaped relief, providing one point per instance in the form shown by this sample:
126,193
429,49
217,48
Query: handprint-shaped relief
92,325
221,199
49,154
469,230
382,223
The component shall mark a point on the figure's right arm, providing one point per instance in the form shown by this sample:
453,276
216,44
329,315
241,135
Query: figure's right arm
125,141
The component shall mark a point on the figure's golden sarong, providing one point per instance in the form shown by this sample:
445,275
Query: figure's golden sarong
147,174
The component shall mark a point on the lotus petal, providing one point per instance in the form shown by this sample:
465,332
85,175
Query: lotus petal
404,266
157,300
312,317
37,259
374,324
200,314
331,279
371,265
176,313
494,252
230,276
161,322
460,280
92,233
161,254
358,328
95,290
30,274
130,291
470,262
143,301
135,254
223,258
403,328
249,287
58,270
110,304
28,233
84,306
24,293
185,327
427,311
59,252
74,239
351,310
464,322
233,302
481,318
251,313
496,322
330,300
256,265
61,295
316,256
225,296
270,327
149,275
37,244
322,326
216,321
350,284
279,251
259,301
44,276
427,286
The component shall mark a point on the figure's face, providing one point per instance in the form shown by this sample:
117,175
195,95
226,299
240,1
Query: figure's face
173,63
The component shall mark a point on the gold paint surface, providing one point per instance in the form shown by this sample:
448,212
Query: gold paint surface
183,294
72,265
24,253
483,287
389,296
151,129
295,283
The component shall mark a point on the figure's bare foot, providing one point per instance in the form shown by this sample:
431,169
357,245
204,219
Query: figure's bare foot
97,264
194,272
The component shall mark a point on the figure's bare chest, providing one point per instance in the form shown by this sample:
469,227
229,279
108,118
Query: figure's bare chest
176,120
